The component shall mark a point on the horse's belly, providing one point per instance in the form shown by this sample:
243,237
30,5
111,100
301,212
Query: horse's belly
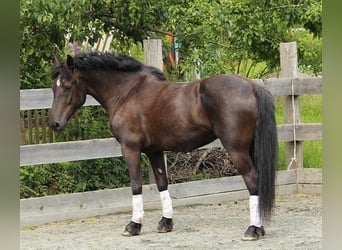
183,143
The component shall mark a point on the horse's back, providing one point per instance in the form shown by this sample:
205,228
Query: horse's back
227,86
227,92
176,119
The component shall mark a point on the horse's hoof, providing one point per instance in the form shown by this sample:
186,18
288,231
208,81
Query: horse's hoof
165,225
253,233
132,229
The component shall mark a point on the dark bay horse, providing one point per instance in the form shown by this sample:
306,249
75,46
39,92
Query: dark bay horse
149,114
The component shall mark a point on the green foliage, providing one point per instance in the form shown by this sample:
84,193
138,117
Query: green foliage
78,176
215,36
89,123
309,51
220,36
49,27
310,109
43,27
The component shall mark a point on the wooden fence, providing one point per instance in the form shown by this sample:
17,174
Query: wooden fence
60,207
107,147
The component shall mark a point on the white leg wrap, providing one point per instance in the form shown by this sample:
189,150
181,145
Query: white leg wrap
254,213
166,204
138,208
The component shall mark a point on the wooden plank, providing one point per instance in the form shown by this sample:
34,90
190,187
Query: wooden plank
286,177
310,188
215,144
41,210
301,86
69,151
60,153
36,126
309,176
22,128
153,53
50,135
29,126
289,68
304,132
32,214
153,57
77,150
224,184
35,99
42,99
205,187
286,189
44,125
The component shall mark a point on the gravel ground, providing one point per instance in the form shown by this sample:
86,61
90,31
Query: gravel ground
296,224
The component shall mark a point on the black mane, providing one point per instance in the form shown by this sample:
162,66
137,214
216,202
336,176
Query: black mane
88,61
112,61
106,61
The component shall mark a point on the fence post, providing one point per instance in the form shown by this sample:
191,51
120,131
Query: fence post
153,57
153,53
289,69
22,128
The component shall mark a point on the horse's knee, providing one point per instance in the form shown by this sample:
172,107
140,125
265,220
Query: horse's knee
161,179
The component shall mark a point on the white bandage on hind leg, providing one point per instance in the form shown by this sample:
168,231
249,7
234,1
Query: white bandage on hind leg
138,208
254,213
166,204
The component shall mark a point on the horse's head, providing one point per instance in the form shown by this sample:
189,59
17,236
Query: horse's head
68,93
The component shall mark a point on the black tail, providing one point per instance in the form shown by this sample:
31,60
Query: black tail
265,150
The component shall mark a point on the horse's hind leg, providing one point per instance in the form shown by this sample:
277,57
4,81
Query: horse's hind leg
243,163
160,174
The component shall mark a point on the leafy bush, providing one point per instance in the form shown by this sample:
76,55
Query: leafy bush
77,176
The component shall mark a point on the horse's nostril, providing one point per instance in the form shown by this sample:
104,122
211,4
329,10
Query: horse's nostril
54,125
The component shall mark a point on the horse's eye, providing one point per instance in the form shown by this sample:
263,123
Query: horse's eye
67,86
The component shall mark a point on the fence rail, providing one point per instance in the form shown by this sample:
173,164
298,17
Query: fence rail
102,148
47,209
42,98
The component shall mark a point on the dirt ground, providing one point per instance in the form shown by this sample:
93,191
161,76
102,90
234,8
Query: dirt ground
296,224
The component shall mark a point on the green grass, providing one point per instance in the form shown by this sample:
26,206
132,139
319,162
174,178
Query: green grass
311,112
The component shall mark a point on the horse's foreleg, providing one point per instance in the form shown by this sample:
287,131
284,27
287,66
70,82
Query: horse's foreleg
132,158
160,174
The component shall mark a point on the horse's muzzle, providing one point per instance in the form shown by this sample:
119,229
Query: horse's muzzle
56,126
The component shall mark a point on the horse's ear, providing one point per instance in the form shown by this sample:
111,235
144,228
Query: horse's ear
70,63
55,61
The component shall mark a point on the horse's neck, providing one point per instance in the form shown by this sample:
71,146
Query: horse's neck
112,90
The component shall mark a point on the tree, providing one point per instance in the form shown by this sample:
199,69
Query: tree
221,33
225,34
47,28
